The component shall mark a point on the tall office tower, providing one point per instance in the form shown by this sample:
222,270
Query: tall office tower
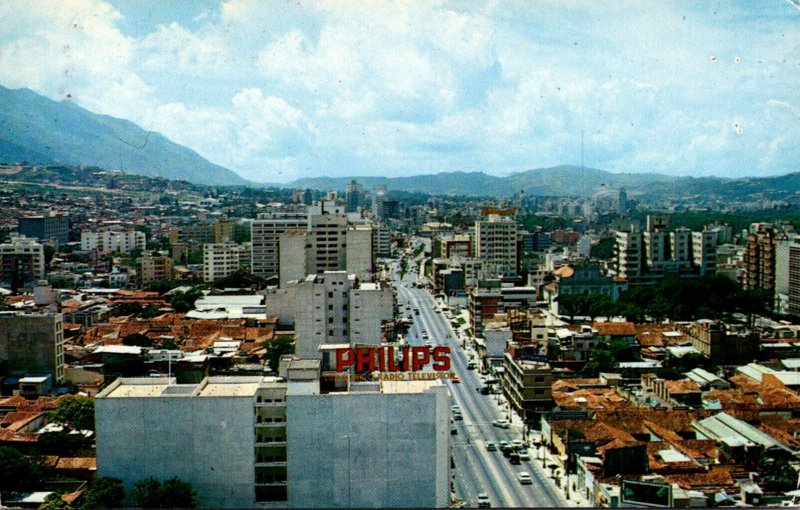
496,244
759,258
622,202
378,198
704,252
21,261
628,254
32,343
46,227
354,196
328,234
264,235
794,278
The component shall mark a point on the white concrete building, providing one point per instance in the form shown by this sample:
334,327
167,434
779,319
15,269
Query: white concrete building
226,436
117,241
221,260
331,309
628,254
496,245
382,444
264,237
704,251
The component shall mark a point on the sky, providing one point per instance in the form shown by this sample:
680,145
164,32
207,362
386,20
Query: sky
278,90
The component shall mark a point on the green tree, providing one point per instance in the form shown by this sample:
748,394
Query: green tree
777,474
277,348
603,250
54,502
184,301
103,493
137,339
572,305
147,493
17,472
171,493
75,412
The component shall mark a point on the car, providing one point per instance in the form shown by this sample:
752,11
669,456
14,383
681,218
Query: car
456,408
455,379
483,501
503,443
458,417
524,478
524,455
453,431
514,458
517,444
491,447
502,423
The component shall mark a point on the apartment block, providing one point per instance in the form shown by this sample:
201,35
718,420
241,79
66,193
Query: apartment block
527,385
221,260
203,233
332,308
759,258
116,241
32,343
628,255
21,261
156,267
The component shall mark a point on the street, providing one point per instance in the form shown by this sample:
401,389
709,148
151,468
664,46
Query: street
476,469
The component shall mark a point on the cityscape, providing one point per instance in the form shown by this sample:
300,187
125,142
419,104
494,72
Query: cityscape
243,306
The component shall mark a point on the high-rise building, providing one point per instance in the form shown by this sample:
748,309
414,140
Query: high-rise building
704,252
203,233
759,258
264,236
21,261
331,309
221,260
46,227
32,344
794,278
496,244
354,196
622,202
628,254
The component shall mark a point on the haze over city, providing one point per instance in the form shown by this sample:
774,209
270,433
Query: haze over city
281,90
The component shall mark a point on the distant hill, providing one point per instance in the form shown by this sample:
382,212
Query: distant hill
38,130
565,181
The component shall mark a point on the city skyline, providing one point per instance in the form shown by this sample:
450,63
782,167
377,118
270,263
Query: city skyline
278,91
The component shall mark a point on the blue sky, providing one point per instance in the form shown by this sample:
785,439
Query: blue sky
277,90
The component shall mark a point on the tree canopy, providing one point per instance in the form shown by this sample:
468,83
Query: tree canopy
104,492
171,493
16,472
75,412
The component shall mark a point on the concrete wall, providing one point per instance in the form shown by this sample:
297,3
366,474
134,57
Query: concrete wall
33,344
206,441
369,450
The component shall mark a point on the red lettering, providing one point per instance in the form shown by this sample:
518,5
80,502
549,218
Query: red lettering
381,352
418,362
441,358
406,358
343,362
365,357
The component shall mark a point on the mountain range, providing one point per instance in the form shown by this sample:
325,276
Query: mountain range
38,130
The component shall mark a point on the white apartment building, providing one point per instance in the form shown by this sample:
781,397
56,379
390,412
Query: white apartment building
628,254
113,240
793,305
264,237
21,257
221,260
704,251
496,245
331,309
